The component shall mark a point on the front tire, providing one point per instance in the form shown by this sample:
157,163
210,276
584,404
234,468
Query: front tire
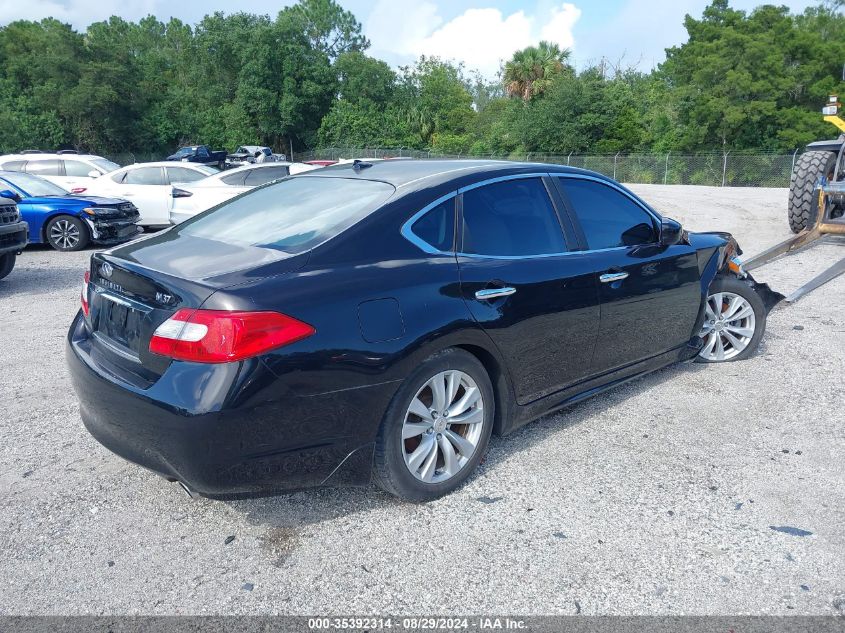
436,429
7,263
734,321
803,197
66,233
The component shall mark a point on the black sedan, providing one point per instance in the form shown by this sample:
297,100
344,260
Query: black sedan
380,321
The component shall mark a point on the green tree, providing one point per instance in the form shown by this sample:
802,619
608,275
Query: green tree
531,71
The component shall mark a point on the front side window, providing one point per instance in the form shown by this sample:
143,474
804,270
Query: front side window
293,215
44,167
264,175
609,218
144,176
511,218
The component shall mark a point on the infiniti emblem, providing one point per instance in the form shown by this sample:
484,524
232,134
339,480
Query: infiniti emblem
106,270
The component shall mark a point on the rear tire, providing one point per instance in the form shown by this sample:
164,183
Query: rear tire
803,198
7,263
456,448
735,332
66,233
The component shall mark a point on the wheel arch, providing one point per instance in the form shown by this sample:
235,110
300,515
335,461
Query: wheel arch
55,214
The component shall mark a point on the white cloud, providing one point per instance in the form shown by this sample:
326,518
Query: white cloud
481,38
79,13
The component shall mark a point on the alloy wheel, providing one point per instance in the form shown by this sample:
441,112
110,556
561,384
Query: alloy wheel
64,234
442,427
729,325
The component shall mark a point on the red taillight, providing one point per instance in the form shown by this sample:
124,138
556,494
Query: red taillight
84,297
77,190
219,336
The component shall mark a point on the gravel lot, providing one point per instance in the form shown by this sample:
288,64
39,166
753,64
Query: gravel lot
657,498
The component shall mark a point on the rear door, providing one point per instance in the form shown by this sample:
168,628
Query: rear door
537,300
650,294
76,173
147,188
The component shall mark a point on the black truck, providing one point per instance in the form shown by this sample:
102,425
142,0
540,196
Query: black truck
14,234
200,154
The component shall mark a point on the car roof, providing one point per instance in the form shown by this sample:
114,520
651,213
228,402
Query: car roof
411,175
50,155
168,163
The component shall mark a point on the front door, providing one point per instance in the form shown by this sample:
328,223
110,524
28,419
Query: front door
147,189
650,294
537,301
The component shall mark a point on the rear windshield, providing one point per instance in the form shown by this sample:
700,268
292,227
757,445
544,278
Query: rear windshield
105,165
293,215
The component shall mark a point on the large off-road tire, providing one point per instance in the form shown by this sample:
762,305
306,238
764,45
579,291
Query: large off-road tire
734,322
436,429
7,263
803,197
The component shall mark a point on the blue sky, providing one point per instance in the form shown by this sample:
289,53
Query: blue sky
478,32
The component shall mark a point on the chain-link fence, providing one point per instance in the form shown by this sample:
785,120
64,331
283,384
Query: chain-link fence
726,169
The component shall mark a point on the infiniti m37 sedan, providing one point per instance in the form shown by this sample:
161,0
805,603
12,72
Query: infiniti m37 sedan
378,321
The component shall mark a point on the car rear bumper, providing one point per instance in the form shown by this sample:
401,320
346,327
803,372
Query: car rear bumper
256,447
13,237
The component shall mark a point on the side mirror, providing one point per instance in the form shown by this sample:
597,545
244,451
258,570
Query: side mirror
671,232
94,174
11,195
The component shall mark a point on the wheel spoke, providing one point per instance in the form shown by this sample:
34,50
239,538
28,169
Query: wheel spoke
717,304
430,464
720,347
708,310
412,429
450,459
420,453
420,410
473,416
464,446
734,304
737,344
740,331
453,382
438,392
467,400
744,313
707,350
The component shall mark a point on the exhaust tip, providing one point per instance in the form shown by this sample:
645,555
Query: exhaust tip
187,490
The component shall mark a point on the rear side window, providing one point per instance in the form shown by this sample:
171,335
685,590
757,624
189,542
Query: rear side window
144,176
77,169
181,174
44,167
609,218
511,218
14,165
293,215
264,175
437,227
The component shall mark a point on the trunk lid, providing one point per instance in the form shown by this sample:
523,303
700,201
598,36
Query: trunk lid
134,288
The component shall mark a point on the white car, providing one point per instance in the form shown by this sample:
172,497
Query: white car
66,168
148,186
202,195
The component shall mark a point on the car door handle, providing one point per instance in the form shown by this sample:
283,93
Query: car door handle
611,277
494,293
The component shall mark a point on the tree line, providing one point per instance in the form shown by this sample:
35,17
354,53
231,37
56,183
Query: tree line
743,81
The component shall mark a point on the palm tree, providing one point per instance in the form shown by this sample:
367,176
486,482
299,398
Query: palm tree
531,70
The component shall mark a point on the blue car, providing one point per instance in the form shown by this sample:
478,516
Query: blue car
66,222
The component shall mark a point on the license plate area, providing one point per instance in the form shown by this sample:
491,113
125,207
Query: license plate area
119,323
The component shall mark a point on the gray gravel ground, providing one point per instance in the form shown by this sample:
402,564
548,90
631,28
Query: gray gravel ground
657,498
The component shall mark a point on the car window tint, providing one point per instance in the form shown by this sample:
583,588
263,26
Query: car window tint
264,175
182,174
609,218
14,165
291,215
202,152
144,176
235,180
511,218
437,227
44,167
77,168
